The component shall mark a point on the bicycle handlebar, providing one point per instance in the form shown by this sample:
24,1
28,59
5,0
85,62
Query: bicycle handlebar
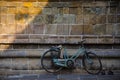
81,42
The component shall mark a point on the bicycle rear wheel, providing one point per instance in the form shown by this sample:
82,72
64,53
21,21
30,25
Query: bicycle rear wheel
47,61
92,63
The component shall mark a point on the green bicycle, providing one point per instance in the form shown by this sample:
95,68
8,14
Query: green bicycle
53,62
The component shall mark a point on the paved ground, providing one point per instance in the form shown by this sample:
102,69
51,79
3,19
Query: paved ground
69,76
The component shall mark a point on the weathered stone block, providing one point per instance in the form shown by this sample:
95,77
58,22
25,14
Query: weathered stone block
29,28
88,29
22,10
117,39
20,28
20,36
92,19
12,10
73,10
105,40
76,29
118,10
73,39
62,29
54,10
4,41
63,4
12,28
61,39
3,10
66,19
87,10
94,10
36,36
100,19
70,19
79,19
118,18
86,19
22,18
51,29
27,4
90,39
49,19
117,29
34,64
99,29
75,4
11,19
38,29
58,19
2,3
4,47
60,10
65,10
37,41
97,19
112,10
42,4
79,10
21,41
52,4
5,63
109,29
40,19
14,4
113,3
5,30
35,10
14,53
47,11
20,64
52,39
27,46
100,3
3,19
110,63
35,52
111,18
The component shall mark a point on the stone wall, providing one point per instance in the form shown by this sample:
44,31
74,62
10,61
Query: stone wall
28,28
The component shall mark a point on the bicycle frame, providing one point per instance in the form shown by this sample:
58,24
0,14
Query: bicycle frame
62,62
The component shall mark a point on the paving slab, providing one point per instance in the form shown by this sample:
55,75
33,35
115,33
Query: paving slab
60,77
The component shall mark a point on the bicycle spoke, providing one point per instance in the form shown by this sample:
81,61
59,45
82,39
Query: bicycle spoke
92,63
47,61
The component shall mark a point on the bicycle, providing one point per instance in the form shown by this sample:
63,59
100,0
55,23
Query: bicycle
52,61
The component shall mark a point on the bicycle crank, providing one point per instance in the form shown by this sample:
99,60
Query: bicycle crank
70,64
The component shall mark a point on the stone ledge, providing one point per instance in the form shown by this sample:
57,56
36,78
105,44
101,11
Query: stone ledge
57,39
37,72
36,53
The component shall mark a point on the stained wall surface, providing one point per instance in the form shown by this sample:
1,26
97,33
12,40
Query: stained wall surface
29,27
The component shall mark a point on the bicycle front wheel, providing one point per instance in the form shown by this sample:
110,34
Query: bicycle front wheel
47,61
92,63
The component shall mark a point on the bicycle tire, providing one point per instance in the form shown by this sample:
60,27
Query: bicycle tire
93,67
47,59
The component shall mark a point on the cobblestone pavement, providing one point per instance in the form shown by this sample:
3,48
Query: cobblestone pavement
60,77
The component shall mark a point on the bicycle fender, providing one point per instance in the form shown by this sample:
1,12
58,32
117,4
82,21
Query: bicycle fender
54,49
